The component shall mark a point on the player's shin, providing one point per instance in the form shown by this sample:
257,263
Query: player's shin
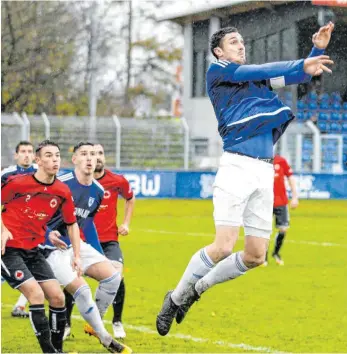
69,302
279,242
89,311
106,292
57,322
118,303
40,325
227,269
199,265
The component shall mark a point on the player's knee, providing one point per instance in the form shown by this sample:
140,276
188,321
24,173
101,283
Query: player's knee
220,252
36,296
56,299
283,229
254,259
118,266
111,284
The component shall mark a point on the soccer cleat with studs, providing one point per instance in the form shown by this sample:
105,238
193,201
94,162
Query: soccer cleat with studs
183,309
278,259
166,315
19,311
113,347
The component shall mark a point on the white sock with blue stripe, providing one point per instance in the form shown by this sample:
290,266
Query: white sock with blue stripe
106,292
227,269
199,265
89,311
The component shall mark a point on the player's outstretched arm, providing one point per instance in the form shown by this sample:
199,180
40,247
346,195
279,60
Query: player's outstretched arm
313,66
317,65
74,235
320,40
239,73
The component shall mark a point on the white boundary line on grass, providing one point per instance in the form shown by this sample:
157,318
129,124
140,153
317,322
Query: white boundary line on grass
223,343
313,243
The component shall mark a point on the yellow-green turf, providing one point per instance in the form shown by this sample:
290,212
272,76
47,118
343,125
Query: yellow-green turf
300,307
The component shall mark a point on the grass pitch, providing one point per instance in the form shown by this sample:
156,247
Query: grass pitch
300,307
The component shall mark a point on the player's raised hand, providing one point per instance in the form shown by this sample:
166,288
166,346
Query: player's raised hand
5,236
315,66
123,229
321,38
76,264
54,238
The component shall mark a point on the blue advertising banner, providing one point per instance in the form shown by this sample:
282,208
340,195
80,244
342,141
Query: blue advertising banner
199,185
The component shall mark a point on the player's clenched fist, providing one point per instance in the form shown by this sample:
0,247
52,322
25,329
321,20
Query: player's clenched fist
316,65
123,229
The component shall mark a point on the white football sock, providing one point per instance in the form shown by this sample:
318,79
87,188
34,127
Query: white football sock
227,269
89,311
106,292
199,265
21,302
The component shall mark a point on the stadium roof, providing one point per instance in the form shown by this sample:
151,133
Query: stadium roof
181,10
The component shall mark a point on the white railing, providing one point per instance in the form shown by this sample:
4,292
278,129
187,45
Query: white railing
307,150
158,143
150,143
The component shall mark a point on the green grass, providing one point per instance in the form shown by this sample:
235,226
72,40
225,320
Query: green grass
300,307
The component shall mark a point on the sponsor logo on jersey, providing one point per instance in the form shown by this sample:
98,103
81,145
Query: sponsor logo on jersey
83,213
33,214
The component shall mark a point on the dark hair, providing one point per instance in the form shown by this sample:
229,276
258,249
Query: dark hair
81,143
23,143
218,36
44,144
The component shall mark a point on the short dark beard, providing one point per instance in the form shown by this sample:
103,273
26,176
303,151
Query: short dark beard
98,170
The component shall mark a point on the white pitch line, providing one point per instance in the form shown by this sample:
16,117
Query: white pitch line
147,330
222,343
313,243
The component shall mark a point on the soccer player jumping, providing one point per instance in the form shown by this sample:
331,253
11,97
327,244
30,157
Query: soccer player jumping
251,119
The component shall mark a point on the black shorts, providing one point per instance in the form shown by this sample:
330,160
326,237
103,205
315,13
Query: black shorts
282,216
19,265
112,251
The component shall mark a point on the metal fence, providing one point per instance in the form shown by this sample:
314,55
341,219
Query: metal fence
155,143
307,150
151,143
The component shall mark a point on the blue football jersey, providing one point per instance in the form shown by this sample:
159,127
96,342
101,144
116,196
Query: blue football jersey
16,170
87,200
251,117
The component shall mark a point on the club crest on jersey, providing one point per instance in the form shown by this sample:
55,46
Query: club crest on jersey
53,203
90,201
19,275
107,194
